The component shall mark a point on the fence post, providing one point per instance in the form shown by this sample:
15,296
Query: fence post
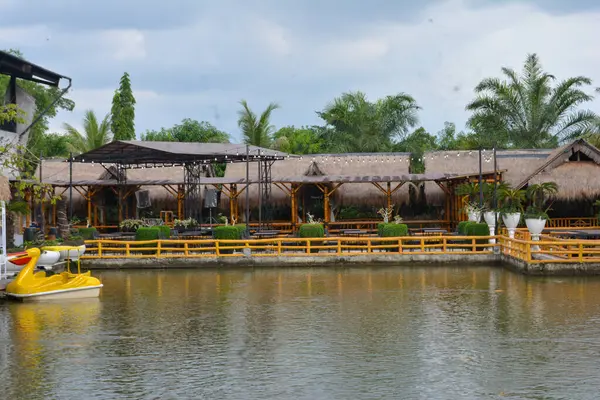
474,244
339,246
369,248
186,249
99,249
444,244
158,247
528,252
580,252
217,251
400,246
127,250
307,245
278,247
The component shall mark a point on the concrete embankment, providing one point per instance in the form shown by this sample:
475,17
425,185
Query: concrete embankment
547,268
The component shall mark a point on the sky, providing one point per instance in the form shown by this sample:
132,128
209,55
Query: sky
197,59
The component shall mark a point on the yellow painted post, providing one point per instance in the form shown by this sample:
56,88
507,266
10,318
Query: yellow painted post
400,246
278,247
127,249
158,248
474,244
528,252
369,248
186,249
339,246
444,245
580,252
99,249
422,245
307,241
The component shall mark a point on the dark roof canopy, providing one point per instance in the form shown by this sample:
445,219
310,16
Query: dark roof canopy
19,68
136,153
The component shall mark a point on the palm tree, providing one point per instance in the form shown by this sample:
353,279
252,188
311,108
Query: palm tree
93,136
538,194
257,131
527,111
362,126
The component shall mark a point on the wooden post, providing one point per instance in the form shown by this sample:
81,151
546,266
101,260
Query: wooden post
294,206
388,195
180,198
327,216
233,215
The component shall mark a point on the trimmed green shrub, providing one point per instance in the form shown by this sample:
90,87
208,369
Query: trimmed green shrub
394,230
478,229
147,233
228,232
88,233
312,231
391,230
164,230
462,227
242,230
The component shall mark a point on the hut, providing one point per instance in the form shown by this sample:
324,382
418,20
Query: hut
347,201
515,165
100,183
575,167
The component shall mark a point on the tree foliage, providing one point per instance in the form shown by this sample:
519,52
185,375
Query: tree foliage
94,134
355,124
123,111
188,130
55,145
256,130
304,140
528,111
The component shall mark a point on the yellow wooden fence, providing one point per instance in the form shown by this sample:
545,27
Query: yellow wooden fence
289,247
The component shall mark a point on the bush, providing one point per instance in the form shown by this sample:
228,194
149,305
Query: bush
478,229
380,228
393,230
462,227
147,233
164,231
88,233
312,231
228,232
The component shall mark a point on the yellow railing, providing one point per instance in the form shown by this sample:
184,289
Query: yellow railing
551,250
578,222
329,246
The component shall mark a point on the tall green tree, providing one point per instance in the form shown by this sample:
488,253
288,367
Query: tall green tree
417,143
123,111
257,130
55,145
188,130
304,140
94,135
531,110
358,125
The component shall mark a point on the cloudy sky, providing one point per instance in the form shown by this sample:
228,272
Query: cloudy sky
197,59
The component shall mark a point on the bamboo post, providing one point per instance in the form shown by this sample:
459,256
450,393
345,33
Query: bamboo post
388,195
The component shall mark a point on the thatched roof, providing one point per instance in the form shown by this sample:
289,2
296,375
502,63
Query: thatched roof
4,188
383,164
517,165
574,167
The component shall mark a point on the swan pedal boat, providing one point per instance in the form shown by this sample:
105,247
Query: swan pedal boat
16,261
36,286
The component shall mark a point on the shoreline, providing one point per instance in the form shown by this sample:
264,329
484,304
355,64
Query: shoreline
397,260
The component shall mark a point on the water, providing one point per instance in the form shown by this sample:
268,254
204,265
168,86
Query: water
369,333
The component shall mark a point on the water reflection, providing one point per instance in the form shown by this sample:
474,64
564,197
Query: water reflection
310,333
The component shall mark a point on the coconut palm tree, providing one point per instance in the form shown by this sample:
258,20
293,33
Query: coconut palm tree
528,111
257,131
359,125
93,136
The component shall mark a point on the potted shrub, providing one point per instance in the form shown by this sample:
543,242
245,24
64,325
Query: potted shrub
181,225
511,201
228,232
536,215
477,229
491,216
393,229
131,225
471,194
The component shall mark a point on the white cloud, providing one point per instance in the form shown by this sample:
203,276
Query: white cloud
124,44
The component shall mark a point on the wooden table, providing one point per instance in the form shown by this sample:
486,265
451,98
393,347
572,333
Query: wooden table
352,232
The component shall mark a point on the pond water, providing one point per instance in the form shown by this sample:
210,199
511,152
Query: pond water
338,333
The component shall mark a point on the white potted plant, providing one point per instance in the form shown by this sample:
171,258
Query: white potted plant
536,215
492,216
511,209
470,192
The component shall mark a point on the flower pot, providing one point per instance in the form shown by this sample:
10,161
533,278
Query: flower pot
490,218
511,221
536,227
474,216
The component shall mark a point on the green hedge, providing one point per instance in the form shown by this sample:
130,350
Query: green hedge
462,227
88,233
229,232
380,228
393,230
147,233
165,231
312,231
478,229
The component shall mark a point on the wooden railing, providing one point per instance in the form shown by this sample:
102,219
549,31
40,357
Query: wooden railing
551,250
289,247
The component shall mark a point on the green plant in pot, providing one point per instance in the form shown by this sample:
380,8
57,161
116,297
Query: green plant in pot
491,215
471,194
511,207
131,225
181,225
536,214
313,229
